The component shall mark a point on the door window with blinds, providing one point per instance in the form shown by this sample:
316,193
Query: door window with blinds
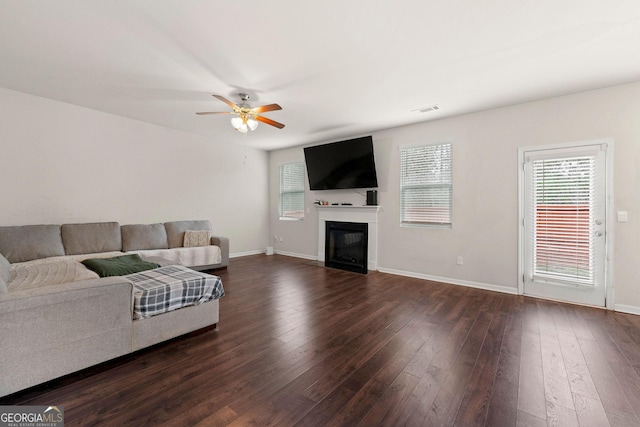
426,185
292,190
564,223
563,205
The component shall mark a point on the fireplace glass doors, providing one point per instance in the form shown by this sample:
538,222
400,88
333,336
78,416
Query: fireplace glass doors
346,246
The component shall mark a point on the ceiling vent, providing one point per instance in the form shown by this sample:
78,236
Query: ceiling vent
427,109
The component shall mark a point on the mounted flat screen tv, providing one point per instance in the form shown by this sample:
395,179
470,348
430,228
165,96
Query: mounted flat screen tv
342,165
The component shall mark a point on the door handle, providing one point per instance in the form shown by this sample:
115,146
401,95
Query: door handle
598,233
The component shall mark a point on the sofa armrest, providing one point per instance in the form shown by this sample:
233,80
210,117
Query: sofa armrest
223,244
55,330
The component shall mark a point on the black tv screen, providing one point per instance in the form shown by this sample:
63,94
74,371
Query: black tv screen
341,165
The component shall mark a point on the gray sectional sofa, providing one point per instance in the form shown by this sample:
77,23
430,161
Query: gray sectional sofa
57,317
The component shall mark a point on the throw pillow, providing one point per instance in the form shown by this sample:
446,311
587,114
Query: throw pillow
3,287
119,266
5,269
194,238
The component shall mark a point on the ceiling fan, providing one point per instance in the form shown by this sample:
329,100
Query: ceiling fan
247,118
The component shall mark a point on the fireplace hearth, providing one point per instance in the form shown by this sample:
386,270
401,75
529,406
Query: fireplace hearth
346,246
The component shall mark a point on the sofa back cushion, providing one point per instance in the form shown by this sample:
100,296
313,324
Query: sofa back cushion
26,242
91,238
138,237
175,230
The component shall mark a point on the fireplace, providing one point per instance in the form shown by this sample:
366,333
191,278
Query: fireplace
350,213
346,246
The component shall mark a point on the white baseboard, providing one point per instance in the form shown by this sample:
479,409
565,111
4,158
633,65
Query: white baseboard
468,283
240,254
264,251
629,309
296,255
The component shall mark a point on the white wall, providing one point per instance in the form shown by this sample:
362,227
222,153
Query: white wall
62,163
485,189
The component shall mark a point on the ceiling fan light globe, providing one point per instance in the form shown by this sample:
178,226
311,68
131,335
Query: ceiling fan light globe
252,123
243,128
236,122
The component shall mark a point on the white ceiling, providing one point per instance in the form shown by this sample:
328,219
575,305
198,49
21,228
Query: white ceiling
338,68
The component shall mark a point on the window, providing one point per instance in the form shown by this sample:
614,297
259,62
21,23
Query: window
563,194
425,185
292,190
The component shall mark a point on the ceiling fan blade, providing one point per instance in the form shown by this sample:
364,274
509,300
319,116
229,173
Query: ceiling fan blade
269,122
226,101
215,112
265,108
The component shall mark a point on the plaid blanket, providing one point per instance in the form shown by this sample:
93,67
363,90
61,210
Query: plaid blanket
170,288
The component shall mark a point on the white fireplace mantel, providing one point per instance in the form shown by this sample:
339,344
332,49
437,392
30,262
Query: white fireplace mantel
348,213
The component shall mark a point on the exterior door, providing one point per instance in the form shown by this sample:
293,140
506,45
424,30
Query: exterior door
564,224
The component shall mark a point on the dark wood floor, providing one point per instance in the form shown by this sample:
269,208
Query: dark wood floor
299,344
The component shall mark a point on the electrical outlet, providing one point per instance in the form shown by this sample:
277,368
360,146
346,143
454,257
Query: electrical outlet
460,260
281,239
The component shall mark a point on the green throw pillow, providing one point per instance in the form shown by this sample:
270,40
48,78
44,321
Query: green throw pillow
119,266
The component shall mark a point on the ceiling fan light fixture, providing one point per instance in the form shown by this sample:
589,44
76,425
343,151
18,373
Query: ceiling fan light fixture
244,117
243,123
236,122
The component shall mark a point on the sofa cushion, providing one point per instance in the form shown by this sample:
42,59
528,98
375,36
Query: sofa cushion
47,272
26,242
194,238
143,236
118,266
91,238
189,257
175,230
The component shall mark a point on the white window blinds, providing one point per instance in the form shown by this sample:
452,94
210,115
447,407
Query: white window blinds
562,204
292,190
425,184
